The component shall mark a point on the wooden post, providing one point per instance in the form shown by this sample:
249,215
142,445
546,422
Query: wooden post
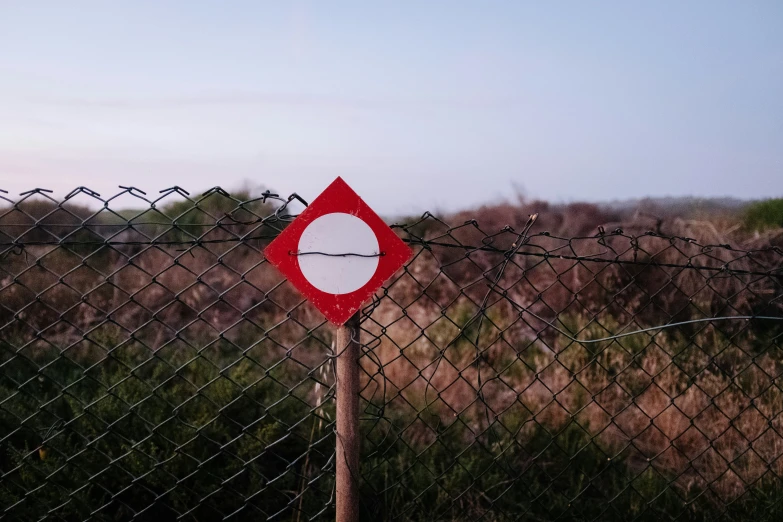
348,437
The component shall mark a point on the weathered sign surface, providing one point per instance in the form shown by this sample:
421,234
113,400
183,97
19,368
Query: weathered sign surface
338,252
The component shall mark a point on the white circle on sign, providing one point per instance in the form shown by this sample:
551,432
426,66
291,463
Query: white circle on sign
335,234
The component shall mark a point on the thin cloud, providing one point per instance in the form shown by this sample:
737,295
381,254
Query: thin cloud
274,100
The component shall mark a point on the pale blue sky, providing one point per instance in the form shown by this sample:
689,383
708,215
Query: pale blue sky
418,105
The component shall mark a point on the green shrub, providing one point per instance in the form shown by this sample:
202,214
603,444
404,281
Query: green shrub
764,214
157,441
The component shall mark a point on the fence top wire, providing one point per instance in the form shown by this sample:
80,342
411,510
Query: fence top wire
76,212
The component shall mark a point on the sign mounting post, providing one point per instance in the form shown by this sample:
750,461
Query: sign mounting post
348,438
338,253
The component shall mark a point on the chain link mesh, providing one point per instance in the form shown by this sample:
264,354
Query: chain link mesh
153,366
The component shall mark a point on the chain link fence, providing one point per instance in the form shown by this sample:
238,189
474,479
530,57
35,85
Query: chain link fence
153,366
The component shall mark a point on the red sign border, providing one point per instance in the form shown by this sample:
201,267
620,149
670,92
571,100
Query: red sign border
338,197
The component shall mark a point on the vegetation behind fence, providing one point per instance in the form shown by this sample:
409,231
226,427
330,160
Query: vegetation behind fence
153,366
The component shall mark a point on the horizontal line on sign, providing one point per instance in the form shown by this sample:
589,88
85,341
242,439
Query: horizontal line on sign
347,254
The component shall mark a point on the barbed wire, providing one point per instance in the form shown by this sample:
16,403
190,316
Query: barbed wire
17,247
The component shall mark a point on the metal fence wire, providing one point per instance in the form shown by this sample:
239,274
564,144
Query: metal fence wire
153,366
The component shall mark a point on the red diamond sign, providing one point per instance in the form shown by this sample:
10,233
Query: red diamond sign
338,252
